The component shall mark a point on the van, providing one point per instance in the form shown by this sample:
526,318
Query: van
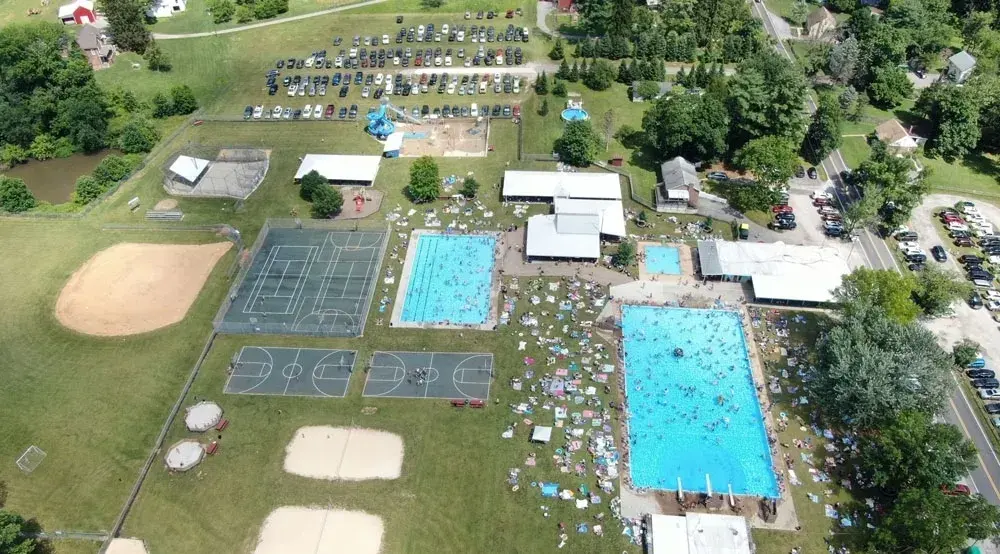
744,231
474,111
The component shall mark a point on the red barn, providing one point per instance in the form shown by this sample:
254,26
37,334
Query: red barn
79,12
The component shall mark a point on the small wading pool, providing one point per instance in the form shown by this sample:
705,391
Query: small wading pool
663,259
451,280
575,114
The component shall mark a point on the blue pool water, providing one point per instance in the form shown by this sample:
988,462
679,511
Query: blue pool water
663,259
575,114
450,279
694,414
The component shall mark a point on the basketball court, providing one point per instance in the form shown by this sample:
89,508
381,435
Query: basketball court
454,375
307,281
276,371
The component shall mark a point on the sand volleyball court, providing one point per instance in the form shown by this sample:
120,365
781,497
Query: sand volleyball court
127,546
301,530
132,288
349,454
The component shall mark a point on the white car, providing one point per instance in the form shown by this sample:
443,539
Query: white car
388,86
908,244
499,60
447,61
482,87
276,112
379,78
365,92
317,111
496,77
307,111
395,61
497,88
451,88
828,210
821,194
258,111
420,29
468,62
338,61
309,61
438,61
444,29
955,226
517,88
989,394
292,89
302,89
385,39
460,37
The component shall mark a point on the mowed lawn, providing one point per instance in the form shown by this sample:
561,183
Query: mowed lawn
94,405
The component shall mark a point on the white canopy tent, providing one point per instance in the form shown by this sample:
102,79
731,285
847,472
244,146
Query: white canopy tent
184,455
341,168
541,434
202,416
188,168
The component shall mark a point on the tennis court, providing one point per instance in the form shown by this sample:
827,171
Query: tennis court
307,281
454,375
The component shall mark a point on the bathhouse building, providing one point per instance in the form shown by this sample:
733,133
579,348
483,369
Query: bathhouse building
340,169
779,273
696,533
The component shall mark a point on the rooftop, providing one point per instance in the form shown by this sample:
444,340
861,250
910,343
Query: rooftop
336,167
698,533
563,236
549,184
963,61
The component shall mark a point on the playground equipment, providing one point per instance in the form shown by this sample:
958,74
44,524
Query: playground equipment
379,123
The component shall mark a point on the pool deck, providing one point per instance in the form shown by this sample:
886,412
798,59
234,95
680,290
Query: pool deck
687,292
411,254
687,263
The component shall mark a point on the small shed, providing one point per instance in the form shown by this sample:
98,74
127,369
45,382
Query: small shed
961,66
79,12
542,434
393,145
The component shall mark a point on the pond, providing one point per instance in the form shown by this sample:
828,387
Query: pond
54,180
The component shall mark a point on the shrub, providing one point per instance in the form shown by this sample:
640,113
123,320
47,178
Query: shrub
15,196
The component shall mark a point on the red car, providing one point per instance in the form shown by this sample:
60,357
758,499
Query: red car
781,209
821,201
517,110
832,217
952,219
957,489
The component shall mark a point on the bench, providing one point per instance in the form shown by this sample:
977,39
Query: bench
477,403
458,403
222,425
213,447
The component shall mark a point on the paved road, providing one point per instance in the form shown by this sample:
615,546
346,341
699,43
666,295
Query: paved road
959,410
162,36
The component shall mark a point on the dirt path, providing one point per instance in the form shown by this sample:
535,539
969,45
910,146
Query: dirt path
162,36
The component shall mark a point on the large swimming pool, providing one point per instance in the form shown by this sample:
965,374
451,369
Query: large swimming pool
663,259
694,413
450,280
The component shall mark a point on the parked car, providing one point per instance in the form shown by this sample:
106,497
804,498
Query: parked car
248,112
957,489
964,242
980,373
986,383
781,208
939,253
812,173
993,408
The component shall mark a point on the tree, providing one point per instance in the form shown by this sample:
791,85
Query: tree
87,190
624,74
765,98
985,88
15,196
162,106
425,183
559,89
847,98
912,451
12,530
137,136
113,169
43,147
862,213
543,109
887,290
600,75
824,133
563,71
578,144
222,10
625,255
310,183
937,289
266,9
772,160
647,90
574,72
244,13
844,59
953,115
873,368
747,196
12,154
965,352
610,118
183,100
687,125
327,202
926,521
889,88
470,187
889,178
557,52
156,60
127,23
432,4
542,84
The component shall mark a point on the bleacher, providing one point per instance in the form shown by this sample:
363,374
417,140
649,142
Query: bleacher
173,215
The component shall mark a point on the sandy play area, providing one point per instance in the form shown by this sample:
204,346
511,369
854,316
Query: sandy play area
126,546
130,288
293,529
350,454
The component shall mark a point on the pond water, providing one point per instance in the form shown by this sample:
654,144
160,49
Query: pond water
54,180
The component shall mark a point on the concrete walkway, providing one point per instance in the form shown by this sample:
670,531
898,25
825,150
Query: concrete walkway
161,36
513,264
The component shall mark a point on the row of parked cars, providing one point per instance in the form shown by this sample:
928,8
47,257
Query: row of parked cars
968,228
317,111
987,384
379,84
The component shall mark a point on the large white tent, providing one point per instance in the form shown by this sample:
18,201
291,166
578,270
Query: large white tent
202,416
188,168
338,168
546,185
184,455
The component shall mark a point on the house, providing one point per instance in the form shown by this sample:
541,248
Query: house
96,46
166,8
665,89
680,188
819,22
80,12
960,66
898,138
564,5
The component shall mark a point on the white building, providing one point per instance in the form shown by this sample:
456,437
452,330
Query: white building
779,272
697,533
340,169
166,8
543,186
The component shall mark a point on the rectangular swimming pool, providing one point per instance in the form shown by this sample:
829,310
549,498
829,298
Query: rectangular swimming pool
693,408
451,279
663,259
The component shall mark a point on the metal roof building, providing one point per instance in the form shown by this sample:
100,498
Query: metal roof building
543,186
341,169
697,533
779,272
